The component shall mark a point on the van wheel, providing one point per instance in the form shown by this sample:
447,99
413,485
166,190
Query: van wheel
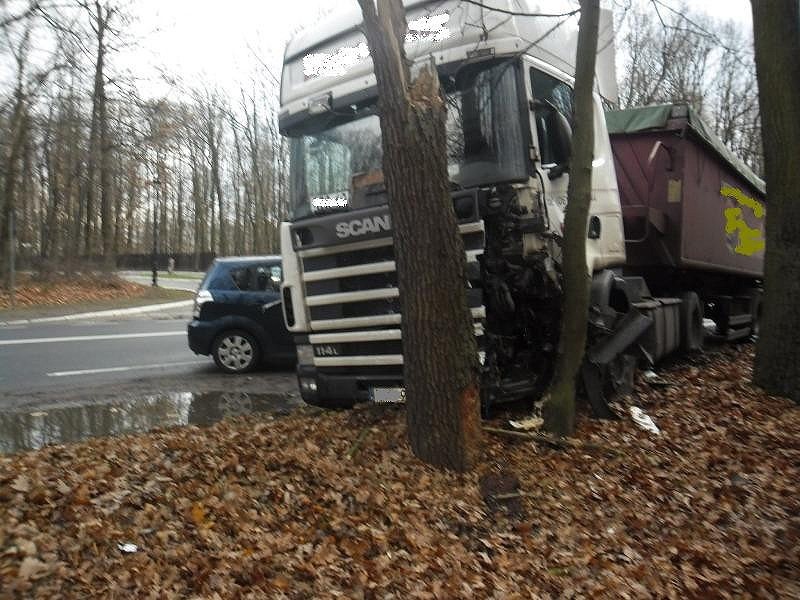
692,331
235,351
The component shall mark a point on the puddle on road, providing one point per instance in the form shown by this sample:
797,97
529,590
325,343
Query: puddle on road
62,424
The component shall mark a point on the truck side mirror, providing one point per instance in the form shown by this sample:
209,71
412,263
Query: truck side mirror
556,136
594,228
562,142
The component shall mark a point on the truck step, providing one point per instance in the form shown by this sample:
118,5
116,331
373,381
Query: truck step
737,334
735,321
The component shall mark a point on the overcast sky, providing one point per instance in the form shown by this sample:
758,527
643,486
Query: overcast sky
217,41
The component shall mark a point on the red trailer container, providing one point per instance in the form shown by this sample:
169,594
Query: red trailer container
687,201
693,213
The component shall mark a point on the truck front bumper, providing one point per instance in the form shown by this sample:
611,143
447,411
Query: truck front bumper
340,390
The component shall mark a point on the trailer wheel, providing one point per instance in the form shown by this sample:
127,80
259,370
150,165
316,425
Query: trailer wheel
755,313
692,331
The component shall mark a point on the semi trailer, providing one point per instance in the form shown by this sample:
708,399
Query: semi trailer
674,237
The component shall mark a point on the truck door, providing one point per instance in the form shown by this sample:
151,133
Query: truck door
551,125
269,277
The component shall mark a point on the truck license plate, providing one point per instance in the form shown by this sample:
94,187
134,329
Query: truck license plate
388,395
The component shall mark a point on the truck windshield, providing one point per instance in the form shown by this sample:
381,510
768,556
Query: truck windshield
485,144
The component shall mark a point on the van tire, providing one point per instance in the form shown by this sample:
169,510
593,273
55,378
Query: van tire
235,351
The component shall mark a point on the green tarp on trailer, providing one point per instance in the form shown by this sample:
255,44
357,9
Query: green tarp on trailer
632,120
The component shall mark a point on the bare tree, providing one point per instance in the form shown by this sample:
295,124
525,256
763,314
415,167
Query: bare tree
560,403
675,55
776,27
76,144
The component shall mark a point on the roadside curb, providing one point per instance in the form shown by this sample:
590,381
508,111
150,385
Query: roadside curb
114,312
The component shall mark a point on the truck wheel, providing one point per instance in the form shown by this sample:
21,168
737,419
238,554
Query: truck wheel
692,331
235,351
620,374
755,313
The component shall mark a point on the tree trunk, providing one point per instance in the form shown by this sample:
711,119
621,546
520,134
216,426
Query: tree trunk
213,148
776,27
441,361
179,244
106,216
18,132
560,405
133,192
95,142
197,201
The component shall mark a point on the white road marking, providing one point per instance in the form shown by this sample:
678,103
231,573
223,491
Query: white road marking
122,369
89,338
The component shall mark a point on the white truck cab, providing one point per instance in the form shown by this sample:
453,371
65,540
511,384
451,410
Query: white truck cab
508,84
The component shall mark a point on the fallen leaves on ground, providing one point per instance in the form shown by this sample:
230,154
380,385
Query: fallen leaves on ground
273,507
78,289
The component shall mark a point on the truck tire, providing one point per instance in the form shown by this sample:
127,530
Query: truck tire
692,331
755,313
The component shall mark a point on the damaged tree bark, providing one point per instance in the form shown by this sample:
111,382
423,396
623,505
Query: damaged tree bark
440,353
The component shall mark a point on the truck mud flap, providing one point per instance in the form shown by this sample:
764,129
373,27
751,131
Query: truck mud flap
602,353
592,377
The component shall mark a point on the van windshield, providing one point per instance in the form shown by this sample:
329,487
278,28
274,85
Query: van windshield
485,144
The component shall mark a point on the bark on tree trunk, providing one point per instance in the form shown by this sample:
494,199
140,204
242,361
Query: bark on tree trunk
440,369
213,148
179,245
106,216
18,132
559,408
776,26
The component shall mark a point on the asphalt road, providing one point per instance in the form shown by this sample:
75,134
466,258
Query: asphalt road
170,283
67,381
52,356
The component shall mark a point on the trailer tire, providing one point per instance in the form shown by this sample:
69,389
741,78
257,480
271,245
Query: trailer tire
755,313
692,331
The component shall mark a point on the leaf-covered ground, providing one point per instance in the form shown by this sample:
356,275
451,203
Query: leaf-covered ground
64,290
268,508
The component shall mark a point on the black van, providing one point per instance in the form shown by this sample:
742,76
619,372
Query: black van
237,315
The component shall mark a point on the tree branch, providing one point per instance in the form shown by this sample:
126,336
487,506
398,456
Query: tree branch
515,13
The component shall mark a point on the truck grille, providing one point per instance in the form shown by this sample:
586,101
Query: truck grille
352,300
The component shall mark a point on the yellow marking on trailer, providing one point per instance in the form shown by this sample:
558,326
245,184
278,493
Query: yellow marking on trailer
750,240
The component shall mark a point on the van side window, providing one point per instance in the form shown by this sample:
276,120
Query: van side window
276,274
268,278
243,278
560,95
257,278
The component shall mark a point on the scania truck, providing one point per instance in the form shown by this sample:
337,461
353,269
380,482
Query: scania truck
675,233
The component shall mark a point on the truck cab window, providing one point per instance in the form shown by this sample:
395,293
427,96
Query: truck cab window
336,158
556,93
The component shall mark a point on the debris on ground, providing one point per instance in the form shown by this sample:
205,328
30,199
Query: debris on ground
643,420
269,507
655,379
532,423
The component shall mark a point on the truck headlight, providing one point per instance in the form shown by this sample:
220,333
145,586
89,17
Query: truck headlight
308,385
305,354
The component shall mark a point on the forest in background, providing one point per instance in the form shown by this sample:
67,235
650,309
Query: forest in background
89,162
